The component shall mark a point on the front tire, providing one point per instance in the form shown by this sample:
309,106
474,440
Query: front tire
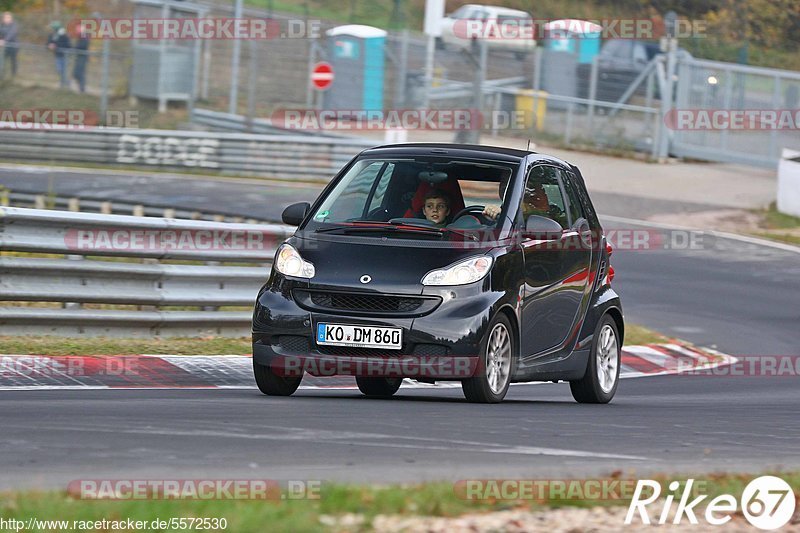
378,387
599,383
493,378
272,384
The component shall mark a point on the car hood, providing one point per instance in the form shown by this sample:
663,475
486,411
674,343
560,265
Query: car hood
393,265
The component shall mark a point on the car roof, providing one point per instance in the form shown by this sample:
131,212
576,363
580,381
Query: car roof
498,153
499,9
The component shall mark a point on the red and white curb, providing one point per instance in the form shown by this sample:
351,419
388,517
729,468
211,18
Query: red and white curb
37,372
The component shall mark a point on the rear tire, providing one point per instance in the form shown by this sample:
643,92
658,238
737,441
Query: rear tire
493,377
599,383
272,384
378,387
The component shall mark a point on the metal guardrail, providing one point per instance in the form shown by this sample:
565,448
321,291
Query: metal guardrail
35,200
76,279
218,121
279,156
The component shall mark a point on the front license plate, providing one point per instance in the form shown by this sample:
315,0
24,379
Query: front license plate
360,336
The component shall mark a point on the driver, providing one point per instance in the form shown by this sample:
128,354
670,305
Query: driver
535,202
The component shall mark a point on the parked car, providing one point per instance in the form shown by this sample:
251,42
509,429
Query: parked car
519,291
501,28
620,62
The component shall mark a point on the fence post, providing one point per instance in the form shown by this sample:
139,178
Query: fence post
206,74
251,85
774,149
592,95
104,81
568,128
237,49
312,57
666,97
402,72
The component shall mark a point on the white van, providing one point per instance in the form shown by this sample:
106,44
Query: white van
501,28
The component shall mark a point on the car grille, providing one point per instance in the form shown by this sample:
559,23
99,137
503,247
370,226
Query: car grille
365,302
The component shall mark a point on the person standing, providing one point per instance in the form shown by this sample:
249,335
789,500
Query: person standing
58,42
9,41
81,57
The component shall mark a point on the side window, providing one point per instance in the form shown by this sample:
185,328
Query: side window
543,196
575,209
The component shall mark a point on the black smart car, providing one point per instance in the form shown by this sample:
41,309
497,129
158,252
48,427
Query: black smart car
442,262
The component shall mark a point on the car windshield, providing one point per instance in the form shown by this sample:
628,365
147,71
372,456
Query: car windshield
439,194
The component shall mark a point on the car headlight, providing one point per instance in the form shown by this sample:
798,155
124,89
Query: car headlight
290,263
467,271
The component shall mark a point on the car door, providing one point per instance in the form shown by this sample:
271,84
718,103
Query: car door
556,269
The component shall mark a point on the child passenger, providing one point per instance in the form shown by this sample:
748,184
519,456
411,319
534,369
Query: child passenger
437,207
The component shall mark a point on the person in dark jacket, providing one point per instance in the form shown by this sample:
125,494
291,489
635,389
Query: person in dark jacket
81,57
9,41
59,43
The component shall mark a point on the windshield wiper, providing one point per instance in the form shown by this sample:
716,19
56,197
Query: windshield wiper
440,230
383,227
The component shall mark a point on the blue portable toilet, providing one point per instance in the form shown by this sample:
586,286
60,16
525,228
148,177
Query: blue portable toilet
356,53
570,45
579,37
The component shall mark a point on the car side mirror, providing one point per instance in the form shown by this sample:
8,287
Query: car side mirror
542,228
295,213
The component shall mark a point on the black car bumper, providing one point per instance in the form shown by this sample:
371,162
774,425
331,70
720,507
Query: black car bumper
443,343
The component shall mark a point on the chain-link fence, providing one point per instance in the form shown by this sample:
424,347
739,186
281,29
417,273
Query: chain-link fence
735,113
562,97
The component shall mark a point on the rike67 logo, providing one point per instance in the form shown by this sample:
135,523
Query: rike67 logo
767,502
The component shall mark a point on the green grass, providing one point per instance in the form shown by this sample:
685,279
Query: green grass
16,96
636,334
47,345
779,226
777,220
429,499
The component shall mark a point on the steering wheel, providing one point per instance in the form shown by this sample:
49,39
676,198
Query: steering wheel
477,212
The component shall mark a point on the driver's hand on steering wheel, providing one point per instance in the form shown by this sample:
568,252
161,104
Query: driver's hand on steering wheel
491,211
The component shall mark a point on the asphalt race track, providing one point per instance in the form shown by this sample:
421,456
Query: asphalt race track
738,297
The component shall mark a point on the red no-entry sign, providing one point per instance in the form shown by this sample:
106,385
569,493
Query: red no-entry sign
322,76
